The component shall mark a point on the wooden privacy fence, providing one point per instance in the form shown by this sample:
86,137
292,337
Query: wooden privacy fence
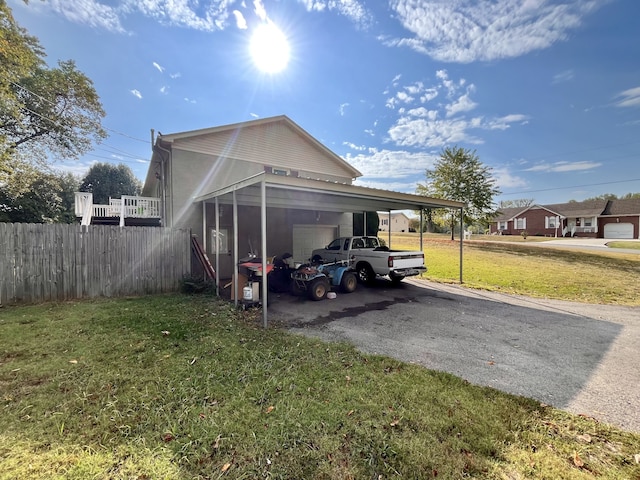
59,262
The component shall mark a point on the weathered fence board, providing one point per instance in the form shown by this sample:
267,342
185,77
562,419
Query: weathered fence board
41,263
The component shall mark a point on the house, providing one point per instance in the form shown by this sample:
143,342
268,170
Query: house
393,222
262,187
592,218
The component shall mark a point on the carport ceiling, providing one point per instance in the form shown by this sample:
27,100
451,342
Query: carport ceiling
310,194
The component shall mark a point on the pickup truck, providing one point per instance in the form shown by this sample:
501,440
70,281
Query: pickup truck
371,259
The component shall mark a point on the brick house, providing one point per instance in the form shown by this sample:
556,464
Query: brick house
592,218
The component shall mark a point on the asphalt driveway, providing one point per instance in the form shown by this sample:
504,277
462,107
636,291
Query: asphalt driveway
581,358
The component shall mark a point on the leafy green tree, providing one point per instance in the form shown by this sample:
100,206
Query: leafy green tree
459,175
517,203
43,111
38,197
105,180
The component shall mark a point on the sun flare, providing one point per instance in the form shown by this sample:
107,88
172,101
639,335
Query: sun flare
269,48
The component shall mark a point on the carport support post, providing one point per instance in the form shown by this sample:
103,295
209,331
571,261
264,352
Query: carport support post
263,224
389,217
461,236
235,249
216,244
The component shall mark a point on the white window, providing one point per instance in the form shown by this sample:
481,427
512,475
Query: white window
588,222
521,223
550,222
220,241
502,225
280,171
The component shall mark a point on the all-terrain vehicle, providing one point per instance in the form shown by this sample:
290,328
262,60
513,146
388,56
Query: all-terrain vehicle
318,280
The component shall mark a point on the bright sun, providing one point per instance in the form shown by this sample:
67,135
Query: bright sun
269,48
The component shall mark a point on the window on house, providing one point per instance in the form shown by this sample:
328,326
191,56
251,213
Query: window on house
588,222
280,171
502,225
220,241
521,223
551,222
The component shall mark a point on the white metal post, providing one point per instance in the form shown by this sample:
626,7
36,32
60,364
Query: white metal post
235,249
263,224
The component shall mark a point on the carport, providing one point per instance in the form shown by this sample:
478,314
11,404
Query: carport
268,190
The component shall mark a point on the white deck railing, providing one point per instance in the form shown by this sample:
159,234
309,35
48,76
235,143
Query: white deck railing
126,207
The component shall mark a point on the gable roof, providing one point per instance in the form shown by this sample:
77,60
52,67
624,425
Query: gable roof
589,208
627,206
273,137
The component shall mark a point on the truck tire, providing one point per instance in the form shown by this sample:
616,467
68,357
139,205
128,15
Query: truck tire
349,282
366,274
318,288
396,279
316,259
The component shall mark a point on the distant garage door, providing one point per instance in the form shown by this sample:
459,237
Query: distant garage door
308,237
618,230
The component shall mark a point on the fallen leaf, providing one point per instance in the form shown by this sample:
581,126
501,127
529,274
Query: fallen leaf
193,361
585,438
636,457
73,361
394,423
216,445
577,461
350,413
165,332
491,362
226,467
167,437
348,378
269,409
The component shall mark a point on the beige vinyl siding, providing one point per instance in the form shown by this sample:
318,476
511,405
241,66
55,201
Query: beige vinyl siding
273,144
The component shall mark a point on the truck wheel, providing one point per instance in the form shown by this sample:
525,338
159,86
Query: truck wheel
366,274
349,282
316,259
318,288
396,279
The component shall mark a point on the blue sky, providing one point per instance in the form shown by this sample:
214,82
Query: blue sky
547,92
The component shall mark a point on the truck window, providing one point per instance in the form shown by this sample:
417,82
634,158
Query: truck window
335,245
346,244
358,243
371,242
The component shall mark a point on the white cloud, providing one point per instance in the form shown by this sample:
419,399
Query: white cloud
562,77
241,22
158,67
409,132
462,104
471,30
89,12
136,93
391,164
260,10
343,108
437,125
505,179
164,90
559,167
352,9
629,98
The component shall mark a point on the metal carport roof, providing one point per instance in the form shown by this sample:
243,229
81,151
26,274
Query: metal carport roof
279,191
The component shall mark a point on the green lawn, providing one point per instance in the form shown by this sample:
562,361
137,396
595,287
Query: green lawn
567,274
185,387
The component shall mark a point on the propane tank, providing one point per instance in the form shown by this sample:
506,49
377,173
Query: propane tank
247,293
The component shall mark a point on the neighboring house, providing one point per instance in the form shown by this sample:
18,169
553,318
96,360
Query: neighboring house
262,187
593,218
394,222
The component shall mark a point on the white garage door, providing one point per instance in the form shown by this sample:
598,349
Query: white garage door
618,230
308,237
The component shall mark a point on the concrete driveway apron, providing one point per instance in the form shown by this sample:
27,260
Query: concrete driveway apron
577,357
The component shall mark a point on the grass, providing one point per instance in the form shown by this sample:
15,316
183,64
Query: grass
185,387
627,245
565,274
